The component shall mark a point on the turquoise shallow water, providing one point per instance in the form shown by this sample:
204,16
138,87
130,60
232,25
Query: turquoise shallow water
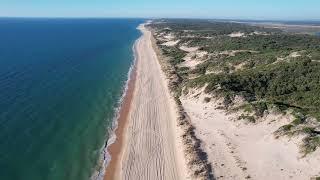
60,82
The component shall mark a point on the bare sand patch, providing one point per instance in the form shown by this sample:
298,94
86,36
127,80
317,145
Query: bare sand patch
194,58
171,43
295,54
188,49
234,52
239,150
237,34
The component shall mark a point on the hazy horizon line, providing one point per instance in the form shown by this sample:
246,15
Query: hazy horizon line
119,17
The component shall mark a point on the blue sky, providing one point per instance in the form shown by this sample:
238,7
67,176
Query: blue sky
243,9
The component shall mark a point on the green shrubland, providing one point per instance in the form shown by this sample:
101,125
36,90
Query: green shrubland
270,69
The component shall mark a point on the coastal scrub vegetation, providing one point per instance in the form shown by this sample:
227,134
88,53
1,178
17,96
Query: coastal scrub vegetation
295,84
267,67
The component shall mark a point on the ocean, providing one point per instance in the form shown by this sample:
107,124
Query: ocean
60,84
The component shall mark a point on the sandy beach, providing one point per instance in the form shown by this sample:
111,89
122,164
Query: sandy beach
116,148
149,140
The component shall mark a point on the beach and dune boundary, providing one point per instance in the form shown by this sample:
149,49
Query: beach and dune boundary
176,150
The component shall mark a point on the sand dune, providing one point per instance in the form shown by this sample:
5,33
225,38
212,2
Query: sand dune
150,149
247,151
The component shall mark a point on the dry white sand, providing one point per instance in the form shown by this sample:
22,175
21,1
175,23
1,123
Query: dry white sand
234,52
192,59
171,43
236,34
169,36
152,147
294,54
188,49
259,33
238,150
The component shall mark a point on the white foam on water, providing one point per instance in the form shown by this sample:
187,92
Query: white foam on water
105,156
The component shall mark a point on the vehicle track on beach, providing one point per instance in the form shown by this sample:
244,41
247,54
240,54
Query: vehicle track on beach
150,150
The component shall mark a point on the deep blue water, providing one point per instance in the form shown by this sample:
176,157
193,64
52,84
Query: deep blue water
60,80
